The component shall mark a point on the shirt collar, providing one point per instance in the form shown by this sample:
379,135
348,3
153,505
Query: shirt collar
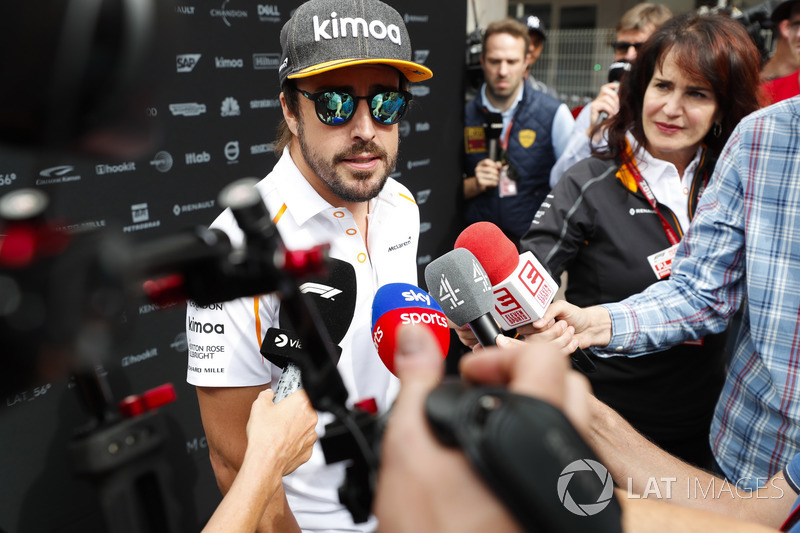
508,113
653,169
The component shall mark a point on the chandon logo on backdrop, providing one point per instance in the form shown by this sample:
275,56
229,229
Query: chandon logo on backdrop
227,14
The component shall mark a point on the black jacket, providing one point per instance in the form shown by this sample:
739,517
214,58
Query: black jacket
601,231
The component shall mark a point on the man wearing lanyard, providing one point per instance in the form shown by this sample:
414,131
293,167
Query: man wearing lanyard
506,185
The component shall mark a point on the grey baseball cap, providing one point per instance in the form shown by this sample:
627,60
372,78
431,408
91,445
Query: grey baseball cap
323,35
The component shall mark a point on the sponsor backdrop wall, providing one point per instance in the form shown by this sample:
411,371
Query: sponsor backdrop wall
219,111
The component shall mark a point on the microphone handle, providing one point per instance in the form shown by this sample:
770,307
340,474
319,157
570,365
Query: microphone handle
581,361
493,149
601,117
288,383
486,330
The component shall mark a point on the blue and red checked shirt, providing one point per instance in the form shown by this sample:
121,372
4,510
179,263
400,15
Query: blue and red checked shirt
744,240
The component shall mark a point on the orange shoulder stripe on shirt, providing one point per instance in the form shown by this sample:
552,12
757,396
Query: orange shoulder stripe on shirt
407,198
258,321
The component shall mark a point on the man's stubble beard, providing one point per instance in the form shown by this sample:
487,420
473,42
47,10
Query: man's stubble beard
327,172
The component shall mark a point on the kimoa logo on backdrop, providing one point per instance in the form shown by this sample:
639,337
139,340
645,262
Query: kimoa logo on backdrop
222,62
334,28
186,62
57,174
225,13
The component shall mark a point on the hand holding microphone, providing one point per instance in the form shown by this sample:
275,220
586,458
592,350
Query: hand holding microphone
607,98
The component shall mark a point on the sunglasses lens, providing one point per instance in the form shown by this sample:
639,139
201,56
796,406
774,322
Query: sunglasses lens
334,107
388,107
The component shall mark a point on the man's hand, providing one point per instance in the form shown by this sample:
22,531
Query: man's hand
592,324
284,432
423,486
607,100
487,176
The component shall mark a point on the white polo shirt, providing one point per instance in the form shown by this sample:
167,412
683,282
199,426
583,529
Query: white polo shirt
224,340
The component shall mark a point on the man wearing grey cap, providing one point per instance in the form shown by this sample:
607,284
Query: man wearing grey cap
344,75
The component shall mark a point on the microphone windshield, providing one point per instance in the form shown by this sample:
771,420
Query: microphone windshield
398,304
460,285
618,69
334,295
493,250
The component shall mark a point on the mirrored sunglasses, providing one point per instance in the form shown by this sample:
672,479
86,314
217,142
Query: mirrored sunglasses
337,107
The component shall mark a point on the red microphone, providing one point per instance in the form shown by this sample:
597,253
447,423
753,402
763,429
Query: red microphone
523,289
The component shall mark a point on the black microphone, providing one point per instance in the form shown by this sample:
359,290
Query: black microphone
460,285
334,296
615,73
493,128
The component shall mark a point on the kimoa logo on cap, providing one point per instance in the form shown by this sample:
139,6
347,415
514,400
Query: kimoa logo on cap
338,27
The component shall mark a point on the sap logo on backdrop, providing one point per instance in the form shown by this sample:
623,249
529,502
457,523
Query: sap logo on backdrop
420,56
268,13
226,14
230,108
232,152
193,158
339,28
189,109
58,174
221,62
162,161
266,61
184,10
187,62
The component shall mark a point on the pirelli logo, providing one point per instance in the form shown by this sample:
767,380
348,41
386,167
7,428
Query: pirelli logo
474,139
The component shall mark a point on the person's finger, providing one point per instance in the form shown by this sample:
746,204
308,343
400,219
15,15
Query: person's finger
418,358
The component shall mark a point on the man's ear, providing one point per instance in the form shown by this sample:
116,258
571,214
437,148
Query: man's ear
290,118
783,27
